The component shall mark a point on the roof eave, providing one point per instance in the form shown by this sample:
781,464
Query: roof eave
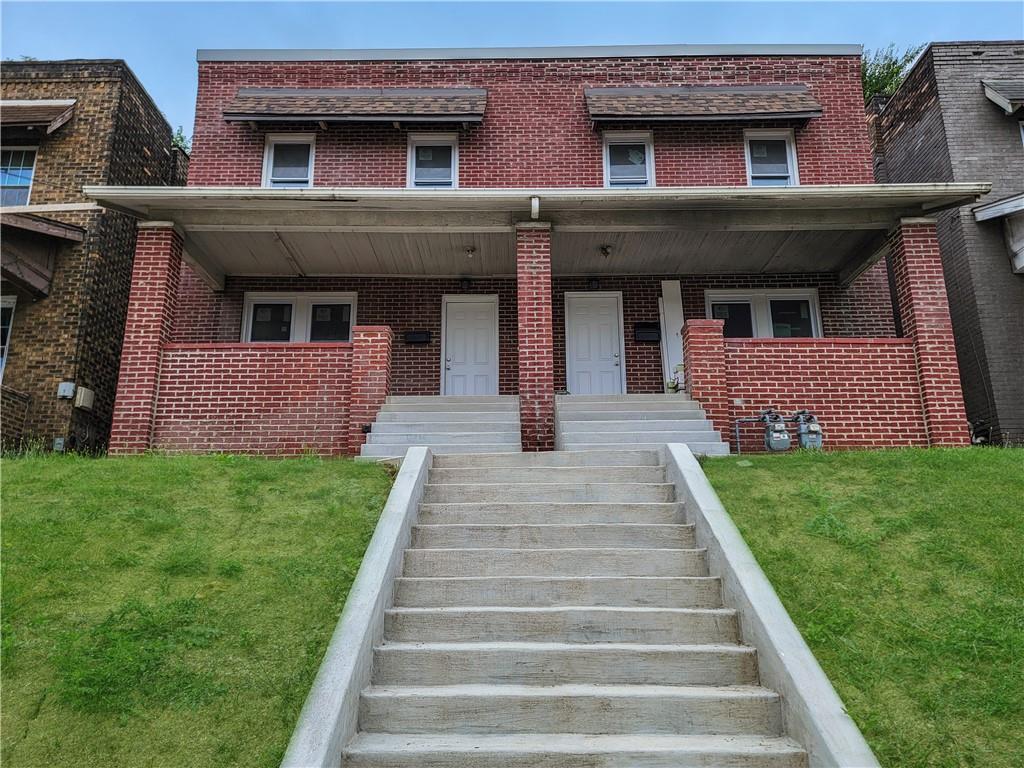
241,117
739,116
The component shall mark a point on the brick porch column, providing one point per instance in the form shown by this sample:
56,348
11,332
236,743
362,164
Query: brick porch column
155,274
371,379
536,341
704,361
924,311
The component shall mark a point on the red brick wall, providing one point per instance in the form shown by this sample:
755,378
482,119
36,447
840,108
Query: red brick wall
536,357
276,399
536,131
371,379
865,392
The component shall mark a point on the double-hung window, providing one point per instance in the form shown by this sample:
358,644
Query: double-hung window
288,161
781,314
298,317
17,165
6,321
771,159
628,159
433,160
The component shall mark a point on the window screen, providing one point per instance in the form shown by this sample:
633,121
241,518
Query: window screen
271,322
738,317
769,163
289,165
791,318
330,322
432,165
627,164
16,167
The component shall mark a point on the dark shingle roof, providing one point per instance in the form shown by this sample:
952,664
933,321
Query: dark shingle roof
702,102
358,104
1008,94
36,113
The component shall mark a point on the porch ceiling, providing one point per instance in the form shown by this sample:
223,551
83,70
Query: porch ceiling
470,232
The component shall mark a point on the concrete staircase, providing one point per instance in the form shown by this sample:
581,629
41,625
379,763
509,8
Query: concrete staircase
616,422
445,425
553,611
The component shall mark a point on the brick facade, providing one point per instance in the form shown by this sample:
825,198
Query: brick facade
536,342
371,379
117,135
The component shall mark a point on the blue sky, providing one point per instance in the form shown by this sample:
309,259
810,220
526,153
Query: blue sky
159,40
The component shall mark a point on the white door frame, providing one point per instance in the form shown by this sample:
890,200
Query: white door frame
622,334
465,298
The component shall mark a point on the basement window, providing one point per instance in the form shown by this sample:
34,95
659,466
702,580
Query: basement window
780,314
771,159
628,159
433,160
17,165
298,317
288,161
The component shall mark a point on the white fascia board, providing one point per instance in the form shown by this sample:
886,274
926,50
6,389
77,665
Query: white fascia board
997,209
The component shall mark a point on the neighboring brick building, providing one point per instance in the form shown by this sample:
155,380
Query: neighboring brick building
554,214
66,262
958,117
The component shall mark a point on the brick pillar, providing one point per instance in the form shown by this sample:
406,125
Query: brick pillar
924,312
155,274
536,341
705,371
371,379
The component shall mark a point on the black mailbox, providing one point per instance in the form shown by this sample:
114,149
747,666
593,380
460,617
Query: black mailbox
417,337
647,331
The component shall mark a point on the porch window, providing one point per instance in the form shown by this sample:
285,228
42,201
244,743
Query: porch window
17,165
771,159
628,159
288,161
316,317
766,314
6,321
433,160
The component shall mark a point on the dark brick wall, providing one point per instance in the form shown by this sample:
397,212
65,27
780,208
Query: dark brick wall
940,127
116,136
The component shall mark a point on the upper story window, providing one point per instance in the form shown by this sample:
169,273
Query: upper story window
433,160
628,159
16,167
781,314
771,159
288,161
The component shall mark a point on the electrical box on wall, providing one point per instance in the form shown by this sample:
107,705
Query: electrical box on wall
66,390
84,398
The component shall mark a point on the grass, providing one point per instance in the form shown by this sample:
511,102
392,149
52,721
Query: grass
171,611
904,570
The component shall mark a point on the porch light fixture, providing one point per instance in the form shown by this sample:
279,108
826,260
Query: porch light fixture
606,250
470,251
465,284
593,284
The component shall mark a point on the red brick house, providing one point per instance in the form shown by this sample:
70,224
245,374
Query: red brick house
528,222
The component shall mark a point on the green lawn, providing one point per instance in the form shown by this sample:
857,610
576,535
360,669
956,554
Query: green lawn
163,611
905,572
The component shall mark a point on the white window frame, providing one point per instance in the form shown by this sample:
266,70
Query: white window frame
786,135
302,317
5,302
646,138
434,140
760,303
287,138
34,149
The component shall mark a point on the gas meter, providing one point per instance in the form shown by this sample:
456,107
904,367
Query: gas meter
808,430
776,436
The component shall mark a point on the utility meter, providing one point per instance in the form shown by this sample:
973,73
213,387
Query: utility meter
776,436
808,430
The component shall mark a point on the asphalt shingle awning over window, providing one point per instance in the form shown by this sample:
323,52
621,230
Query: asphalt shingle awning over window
49,114
333,105
702,103
1008,94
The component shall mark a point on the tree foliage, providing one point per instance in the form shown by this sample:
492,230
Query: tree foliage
883,69
180,141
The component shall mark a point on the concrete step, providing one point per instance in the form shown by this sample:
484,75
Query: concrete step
397,450
508,416
651,626
563,410
457,399
634,425
616,414
705,447
450,407
549,591
619,457
490,436
428,427
619,399
548,475
611,437
554,536
562,750
590,561
422,664
598,709
508,492
539,512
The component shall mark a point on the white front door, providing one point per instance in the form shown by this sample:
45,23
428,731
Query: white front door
470,346
593,345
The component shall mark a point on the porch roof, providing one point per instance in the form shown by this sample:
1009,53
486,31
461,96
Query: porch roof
469,232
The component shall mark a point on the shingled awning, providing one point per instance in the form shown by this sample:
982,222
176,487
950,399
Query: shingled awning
50,114
1008,94
702,103
336,105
